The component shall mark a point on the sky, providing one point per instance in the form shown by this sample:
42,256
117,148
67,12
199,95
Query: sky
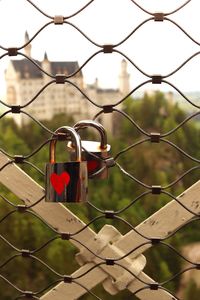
157,47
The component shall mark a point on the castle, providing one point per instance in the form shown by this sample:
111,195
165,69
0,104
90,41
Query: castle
24,80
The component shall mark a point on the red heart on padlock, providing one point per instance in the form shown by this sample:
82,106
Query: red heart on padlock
59,181
92,165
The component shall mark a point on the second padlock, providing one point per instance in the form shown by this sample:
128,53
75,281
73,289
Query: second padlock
92,151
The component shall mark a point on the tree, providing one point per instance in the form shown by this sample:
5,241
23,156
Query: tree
149,162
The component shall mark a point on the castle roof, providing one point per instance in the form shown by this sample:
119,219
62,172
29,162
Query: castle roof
23,66
100,90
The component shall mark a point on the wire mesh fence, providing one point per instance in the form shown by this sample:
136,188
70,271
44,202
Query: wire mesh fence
107,260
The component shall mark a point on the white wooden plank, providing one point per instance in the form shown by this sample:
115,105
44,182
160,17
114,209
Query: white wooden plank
95,277
148,294
116,272
63,220
164,222
158,226
73,291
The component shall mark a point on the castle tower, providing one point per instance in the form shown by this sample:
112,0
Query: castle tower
46,65
27,49
124,85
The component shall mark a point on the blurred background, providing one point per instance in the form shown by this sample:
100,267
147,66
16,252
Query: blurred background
156,48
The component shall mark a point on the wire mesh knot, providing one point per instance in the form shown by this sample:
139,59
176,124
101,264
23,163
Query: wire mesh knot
60,78
25,253
65,236
154,286
109,214
108,48
28,294
155,241
21,208
159,17
67,279
19,159
156,189
58,20
197,266
110,262
12,51
108,109
155,137
157,79
110,162
15,109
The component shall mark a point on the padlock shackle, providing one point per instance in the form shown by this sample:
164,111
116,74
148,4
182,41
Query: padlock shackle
74,137
90,123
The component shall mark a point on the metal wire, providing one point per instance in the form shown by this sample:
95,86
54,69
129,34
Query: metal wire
21,159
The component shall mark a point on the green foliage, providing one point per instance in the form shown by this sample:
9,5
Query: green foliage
153,164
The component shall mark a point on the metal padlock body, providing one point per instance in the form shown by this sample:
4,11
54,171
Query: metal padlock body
93,165
100,149
66,181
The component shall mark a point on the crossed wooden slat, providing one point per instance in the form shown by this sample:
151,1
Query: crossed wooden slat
108,243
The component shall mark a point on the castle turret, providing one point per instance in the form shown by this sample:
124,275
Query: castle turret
124,86
46,65
27,48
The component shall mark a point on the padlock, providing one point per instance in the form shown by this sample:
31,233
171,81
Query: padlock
96,166
66,181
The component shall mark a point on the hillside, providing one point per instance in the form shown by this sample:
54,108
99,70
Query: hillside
153,164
